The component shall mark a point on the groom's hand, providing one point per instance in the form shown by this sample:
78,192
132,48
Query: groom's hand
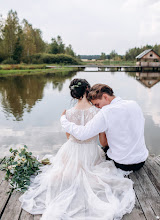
63,113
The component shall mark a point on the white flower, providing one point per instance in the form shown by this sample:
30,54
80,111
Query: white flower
17,157
11,168
12,171
19,162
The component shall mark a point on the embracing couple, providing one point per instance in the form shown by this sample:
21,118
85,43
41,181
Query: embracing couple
82,183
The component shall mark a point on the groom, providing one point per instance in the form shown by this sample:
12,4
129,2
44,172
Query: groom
123,123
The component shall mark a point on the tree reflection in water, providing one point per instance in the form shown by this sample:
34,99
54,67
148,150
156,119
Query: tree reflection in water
19,94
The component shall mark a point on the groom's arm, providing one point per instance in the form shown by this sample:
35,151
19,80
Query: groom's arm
91,129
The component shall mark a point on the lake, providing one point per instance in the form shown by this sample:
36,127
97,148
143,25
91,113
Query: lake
31,106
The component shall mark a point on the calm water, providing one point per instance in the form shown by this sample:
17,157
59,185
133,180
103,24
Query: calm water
31,106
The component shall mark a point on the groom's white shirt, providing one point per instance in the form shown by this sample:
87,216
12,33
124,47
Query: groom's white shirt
123,123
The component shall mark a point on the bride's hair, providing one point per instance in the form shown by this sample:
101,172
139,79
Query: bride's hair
79,87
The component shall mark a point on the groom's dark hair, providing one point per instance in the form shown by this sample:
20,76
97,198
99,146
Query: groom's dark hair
98,90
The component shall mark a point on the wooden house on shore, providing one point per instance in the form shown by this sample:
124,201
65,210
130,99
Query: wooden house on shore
148,58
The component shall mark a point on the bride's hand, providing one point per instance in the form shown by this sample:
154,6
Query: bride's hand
63,113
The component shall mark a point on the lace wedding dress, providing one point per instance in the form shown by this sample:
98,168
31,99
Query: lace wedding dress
79,184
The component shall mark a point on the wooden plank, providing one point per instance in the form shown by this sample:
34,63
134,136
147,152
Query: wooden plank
146,182
150,191
1,159
2,176
157,160
136,214
2,173
13,208
153,171
4,196
25,216
37,217
142,197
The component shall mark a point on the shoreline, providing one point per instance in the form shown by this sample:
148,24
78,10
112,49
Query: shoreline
21,70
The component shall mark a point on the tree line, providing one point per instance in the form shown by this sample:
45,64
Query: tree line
130,54
20,41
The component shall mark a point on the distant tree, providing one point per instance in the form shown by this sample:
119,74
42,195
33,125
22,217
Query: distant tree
39,43
18,50
57,46
103,56
156,48
113,54
133,52
69,51
79,57
9,32
2,52
54,49
28,39
1,26
89,57
61,45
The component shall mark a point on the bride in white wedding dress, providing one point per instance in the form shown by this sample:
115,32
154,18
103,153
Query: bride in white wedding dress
79,184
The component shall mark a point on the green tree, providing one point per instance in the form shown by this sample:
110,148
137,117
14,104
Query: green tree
113,54
156,48
133,52
2,53
28,39
57,46
9,32
18,50
69,51
103,56
54,47
61,45
40,44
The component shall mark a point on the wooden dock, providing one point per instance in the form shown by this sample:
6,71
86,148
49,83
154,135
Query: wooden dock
111,68
146,186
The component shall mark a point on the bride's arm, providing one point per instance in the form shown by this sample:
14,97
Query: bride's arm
103,139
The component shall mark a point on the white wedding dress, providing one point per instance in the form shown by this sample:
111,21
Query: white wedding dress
79,184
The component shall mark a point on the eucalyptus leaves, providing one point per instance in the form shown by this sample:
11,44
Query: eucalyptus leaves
76,86
19,167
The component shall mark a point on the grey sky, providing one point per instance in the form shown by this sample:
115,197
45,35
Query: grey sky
92,26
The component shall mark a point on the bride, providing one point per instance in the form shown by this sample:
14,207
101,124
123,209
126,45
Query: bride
80,184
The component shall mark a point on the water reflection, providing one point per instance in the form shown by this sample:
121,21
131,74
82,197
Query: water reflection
19,94
148,79
30,107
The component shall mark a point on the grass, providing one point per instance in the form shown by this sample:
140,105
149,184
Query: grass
11,70
31,69
23,66
112,62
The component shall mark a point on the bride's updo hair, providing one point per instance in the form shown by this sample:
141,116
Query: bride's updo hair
79,87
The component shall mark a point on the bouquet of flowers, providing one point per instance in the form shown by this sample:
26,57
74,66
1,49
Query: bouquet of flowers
19,167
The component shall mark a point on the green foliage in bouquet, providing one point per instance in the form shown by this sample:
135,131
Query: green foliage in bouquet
19,167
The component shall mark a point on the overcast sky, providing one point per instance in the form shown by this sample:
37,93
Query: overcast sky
92,26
